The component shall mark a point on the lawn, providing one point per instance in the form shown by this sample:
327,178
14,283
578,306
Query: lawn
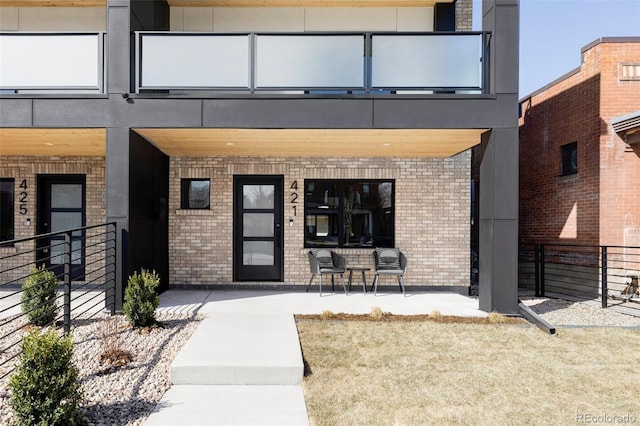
426,372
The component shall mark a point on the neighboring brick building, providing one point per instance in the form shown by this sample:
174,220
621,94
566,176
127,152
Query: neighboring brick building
579,179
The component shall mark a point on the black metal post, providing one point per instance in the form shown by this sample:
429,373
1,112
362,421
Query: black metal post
536,264
542,289
67,282
605,290
111,243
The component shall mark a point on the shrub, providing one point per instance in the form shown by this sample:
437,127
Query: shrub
376,313
39,296
327,315
436,315
45,388
496,318
141,300
113,352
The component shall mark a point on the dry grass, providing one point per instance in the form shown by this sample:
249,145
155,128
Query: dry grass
416,373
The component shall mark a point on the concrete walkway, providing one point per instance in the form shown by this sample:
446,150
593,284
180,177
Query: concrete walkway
243,365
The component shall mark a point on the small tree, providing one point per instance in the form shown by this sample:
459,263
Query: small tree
39,296
45,388
140,298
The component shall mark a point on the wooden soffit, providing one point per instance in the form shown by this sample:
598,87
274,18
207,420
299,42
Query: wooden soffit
53,3
414,143
52,142
234,3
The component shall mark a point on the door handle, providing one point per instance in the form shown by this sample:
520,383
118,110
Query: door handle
277,236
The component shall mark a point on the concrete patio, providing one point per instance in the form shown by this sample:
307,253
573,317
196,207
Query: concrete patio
300,302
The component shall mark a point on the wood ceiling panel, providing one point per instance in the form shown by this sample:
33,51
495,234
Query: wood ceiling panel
416,143
234,3
53,3
52,142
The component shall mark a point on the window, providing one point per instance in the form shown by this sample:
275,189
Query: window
349,213
569,159
6,209
194,193
629,71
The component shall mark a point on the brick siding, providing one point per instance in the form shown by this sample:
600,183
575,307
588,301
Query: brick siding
431,216
464,13
28,168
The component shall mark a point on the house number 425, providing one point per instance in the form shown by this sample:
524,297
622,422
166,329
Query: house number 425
23,198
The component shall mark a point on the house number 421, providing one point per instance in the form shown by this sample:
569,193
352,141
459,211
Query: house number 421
293,196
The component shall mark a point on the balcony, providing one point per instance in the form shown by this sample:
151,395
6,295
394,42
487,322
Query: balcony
313,63
303,63
52,63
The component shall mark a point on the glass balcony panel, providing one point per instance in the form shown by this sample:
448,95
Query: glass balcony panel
313,64
194,61
429,61
51,61
299,61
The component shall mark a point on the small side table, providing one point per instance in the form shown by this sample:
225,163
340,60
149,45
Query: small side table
364,278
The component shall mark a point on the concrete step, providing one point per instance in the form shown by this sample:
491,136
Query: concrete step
231,405
241,349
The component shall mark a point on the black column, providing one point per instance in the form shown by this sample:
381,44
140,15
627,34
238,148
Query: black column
498,257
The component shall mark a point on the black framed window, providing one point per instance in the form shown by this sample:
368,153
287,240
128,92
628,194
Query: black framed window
569,158
349,213
7,218
195,193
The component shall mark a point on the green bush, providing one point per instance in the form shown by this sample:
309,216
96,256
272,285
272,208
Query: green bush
45,388
39,296
140,298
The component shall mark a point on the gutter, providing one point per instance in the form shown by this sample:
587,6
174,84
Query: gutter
536,319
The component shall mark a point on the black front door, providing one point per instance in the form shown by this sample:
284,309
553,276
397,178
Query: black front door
61,206
258,234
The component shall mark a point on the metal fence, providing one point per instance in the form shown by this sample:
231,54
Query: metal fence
581,272
83,263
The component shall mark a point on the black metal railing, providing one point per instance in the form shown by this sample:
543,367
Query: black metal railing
82,260
583,272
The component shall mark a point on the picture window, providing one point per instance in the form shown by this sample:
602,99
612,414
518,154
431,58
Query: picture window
349,213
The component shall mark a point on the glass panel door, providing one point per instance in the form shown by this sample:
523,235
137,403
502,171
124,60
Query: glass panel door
258,228
61,206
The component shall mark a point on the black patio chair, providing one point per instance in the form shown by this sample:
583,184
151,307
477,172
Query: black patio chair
389,261
326,262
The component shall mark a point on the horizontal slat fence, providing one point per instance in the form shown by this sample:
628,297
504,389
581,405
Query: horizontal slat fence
83,263
609,274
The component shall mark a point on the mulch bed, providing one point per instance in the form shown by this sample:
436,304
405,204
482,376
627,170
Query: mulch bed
388,317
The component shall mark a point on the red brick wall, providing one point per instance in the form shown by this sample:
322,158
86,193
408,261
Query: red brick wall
589,207
620,166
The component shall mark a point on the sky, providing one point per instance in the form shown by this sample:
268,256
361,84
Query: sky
552,33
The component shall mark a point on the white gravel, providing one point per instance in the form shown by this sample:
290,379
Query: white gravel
125,395
560,312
